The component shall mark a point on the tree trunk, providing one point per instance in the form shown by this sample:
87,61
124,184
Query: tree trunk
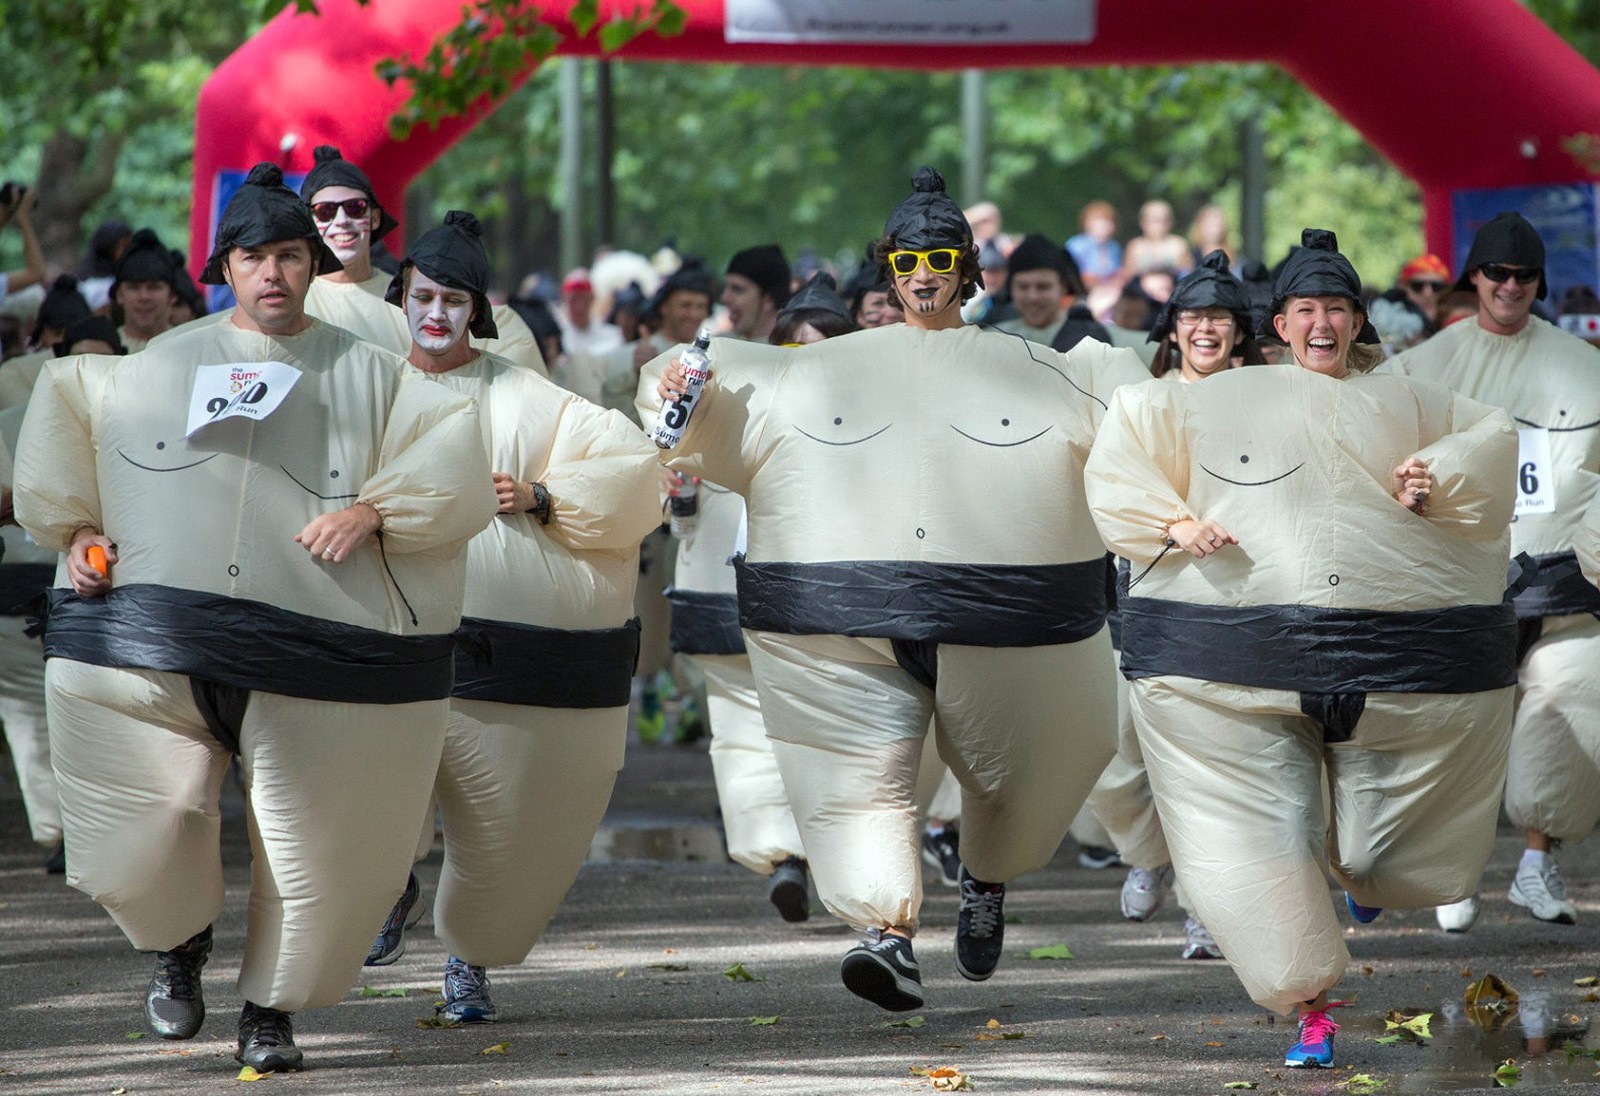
74,174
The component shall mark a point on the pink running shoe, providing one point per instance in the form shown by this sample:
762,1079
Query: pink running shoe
1315,1048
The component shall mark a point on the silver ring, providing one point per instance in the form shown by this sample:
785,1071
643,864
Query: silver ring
1213,540
327,553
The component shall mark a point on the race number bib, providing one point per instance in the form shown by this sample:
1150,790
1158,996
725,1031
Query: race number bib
1536,481
247,390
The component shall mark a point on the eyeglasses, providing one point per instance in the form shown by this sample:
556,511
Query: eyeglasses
1190,318
1420,286
1499,272
941,260
354,208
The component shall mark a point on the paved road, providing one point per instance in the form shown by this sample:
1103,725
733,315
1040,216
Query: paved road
627,993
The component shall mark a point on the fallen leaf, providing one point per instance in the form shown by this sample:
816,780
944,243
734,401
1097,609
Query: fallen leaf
1052,951
1213,1044
498,1048
669,966
134,1035
992,1024
1591,980
1466,972
1157,1038
945,1078
763,1021
114,1092
1539,972
1366,971
908,1022
1388,1040
431,1022
1412,1023
1508,1073
1239,1084
1490,1002
623,973
248,1073
368,991
1591,996
1361,1084
669,951
738,973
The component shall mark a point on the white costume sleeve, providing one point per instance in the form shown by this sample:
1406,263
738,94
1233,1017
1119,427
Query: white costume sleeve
429,500
603,479
57,488
1137,477
723,440
1475,447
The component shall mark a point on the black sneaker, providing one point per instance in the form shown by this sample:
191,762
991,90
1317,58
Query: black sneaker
882,970
57,864
786,889
173,1005
980,927
1098,857
266,1040
942,850
391,942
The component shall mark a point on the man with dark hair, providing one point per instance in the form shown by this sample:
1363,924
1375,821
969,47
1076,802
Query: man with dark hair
876,596
754,287
142,295
264,521
1549,381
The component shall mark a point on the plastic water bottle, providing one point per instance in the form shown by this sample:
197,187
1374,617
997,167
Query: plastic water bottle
683,506
674,416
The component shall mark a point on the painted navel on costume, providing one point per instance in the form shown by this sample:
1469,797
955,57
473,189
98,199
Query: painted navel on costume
1562,428
1008,433
1244,458
326,498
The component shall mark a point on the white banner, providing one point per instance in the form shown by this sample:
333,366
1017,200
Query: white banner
248,390
927,22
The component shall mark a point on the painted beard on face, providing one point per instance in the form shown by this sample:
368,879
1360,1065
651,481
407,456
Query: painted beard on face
929,295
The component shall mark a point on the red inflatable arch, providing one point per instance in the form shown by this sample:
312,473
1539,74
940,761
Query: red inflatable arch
1459,94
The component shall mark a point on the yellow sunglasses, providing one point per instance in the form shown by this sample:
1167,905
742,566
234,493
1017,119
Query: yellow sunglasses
941,260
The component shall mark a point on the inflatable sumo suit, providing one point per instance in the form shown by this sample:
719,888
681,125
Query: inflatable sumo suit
545,654
26,572
222,635
1342,633
918,548
1588,543
1121,800
756,818
1549,382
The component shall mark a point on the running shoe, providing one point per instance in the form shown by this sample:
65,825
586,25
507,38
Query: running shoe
1098,857
786,889
1539,889
391,940
1144,890
57,864
1457,916
1365,914
1197,941
466,994
942,849
173,1004
882,970
1314,1050
980,927
266,1040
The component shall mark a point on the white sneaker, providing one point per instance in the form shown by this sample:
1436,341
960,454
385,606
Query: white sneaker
1144,890
1541,891
1197,941
1457,916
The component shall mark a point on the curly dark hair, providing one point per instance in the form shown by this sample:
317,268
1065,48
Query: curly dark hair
966,268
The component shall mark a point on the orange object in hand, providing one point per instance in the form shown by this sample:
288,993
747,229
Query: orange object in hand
97,560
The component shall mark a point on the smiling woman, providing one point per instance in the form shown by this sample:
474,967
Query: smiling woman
1330,618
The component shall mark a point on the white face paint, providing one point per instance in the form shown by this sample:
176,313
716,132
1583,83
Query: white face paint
438,315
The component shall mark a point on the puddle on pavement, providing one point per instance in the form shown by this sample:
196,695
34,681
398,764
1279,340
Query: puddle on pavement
1547,1047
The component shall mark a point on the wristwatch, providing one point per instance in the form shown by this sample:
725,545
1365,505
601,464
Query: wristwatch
541,504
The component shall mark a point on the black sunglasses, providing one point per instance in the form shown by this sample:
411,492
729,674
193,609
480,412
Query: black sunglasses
327,211
1499,272
1418,285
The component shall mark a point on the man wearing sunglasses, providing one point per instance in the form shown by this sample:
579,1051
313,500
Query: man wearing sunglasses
918,548
1425,280
1549,381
